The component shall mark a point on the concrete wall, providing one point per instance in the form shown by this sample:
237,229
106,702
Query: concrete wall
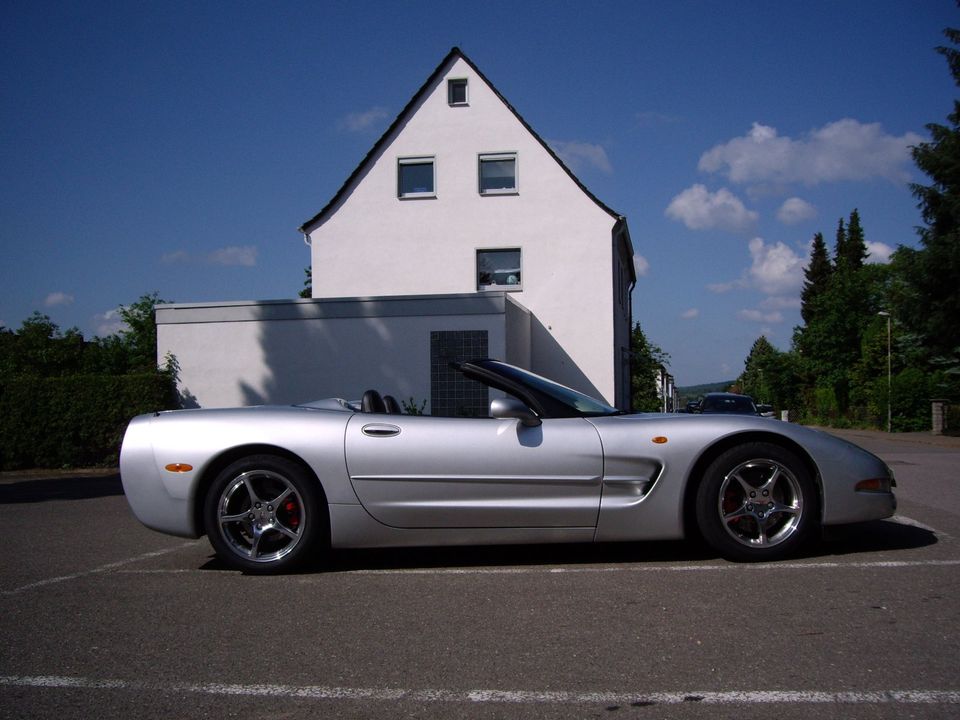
374,243
275,352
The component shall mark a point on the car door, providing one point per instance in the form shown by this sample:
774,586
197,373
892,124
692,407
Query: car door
426,472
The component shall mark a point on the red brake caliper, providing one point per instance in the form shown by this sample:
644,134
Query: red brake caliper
730,504
294,512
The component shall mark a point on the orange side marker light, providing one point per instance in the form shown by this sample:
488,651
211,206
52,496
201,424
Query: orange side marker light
659,439
178,467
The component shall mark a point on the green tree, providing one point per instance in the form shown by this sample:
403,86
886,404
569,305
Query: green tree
771,376
816,278
929,302
847,311
839,243
854,250
757,367
307,290
839,301
40,349
139,338
646,359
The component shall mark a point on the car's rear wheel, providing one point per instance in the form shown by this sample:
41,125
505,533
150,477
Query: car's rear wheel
757,502
263,515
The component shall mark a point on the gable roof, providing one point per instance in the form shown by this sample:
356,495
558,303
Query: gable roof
454,54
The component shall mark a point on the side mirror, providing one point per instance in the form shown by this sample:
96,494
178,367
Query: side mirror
512,408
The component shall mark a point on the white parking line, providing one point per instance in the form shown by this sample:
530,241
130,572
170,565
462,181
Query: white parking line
102,569
517,697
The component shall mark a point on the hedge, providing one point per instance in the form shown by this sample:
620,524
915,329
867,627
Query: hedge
74,421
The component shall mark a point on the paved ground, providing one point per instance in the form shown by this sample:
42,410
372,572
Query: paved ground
874,437
103,618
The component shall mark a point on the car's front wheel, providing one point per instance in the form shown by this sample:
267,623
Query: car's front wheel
263,515
757,502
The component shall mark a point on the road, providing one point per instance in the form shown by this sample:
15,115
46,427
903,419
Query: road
104,618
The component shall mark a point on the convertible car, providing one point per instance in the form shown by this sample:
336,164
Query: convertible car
274,486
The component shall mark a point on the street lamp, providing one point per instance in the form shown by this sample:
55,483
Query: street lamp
889,399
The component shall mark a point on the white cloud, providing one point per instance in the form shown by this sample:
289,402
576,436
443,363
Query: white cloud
234,255
690,314
179,256
780,302
109,323
757,316
777,272
720,288
363,121
231,255
58,298
879,253
843,150
699,209
579,156
775,268
795,210
641,265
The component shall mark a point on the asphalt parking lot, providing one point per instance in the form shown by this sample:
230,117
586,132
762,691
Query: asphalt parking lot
104,618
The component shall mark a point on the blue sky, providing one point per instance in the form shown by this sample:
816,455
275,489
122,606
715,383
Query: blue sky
176,146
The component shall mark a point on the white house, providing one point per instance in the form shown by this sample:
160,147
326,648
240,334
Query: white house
459,200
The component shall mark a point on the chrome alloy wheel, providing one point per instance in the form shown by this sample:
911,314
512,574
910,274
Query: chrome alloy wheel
760,503
261,516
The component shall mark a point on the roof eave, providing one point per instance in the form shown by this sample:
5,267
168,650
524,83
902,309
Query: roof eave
313,222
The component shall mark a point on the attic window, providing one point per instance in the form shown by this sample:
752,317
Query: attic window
457,91
416,177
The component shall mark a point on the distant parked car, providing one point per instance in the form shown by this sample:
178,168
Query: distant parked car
766,410
693,406
727,404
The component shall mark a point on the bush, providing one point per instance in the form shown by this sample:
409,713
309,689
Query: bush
76,420
910,396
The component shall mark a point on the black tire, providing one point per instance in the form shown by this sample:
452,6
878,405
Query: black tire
264,514
757,502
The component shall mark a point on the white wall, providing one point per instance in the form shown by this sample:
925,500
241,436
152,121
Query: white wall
375,244
277,352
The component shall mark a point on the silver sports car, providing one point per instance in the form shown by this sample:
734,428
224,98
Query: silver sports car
273,486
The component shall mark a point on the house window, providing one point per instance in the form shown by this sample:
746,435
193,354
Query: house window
499,270
498,174
416,177
457,91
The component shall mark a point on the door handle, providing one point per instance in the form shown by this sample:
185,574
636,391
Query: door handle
380,430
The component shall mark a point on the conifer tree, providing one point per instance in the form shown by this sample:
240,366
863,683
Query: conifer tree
931,305
840,244
817,278
855,247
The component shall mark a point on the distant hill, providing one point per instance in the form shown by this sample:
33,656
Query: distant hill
695,392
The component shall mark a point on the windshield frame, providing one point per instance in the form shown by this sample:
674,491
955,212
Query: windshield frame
548,398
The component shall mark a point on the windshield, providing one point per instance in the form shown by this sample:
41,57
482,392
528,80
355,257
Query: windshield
733,404
583,404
